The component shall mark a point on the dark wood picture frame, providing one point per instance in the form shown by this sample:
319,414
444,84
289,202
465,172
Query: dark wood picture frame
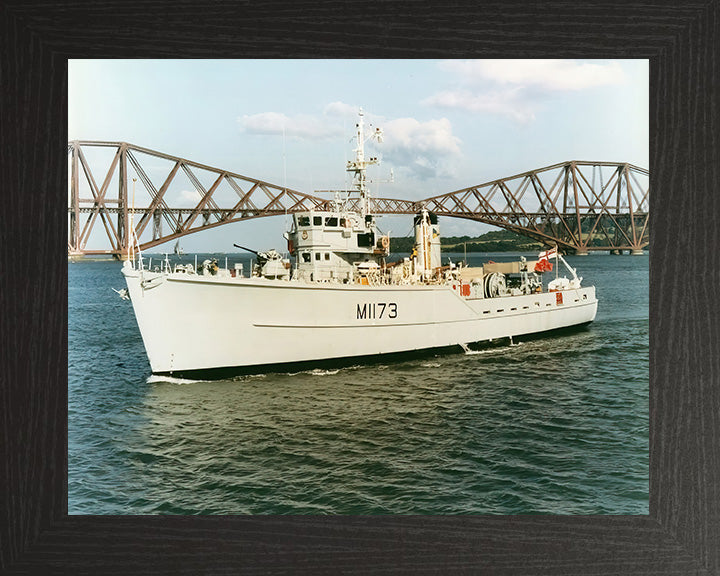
681,534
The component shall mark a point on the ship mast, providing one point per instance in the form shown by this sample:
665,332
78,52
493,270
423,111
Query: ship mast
359,165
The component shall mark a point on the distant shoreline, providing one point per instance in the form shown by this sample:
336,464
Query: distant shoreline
494,241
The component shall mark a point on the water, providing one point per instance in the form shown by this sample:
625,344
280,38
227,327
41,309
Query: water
556,425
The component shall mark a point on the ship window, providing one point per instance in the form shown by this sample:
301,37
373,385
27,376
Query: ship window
501,310
306,256
332,221
303,220
317,255
365,240
317,220
486,311
327,255
511,309
343,222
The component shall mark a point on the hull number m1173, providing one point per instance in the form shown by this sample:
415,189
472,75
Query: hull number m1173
377,310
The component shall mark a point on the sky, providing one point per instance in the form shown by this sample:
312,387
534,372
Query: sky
447,125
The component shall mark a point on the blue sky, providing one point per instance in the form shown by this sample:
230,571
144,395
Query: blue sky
448,124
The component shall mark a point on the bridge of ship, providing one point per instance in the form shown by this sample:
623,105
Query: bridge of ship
156,197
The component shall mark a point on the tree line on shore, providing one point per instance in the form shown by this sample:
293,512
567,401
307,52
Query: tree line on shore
494,241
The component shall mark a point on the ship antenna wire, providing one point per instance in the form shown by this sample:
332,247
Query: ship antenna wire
132,239
287,226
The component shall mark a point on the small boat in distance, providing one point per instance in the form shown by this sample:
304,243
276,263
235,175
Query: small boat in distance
336,296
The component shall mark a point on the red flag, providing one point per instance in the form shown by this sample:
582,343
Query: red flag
543,265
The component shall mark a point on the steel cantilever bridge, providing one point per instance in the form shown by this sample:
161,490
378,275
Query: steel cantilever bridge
580,206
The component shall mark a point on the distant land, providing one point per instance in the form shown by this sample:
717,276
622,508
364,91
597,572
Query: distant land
495,241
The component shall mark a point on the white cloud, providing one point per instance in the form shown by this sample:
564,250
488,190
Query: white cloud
551,75
303,126
514,88
507,103
189,198
428,149
341,109
299,126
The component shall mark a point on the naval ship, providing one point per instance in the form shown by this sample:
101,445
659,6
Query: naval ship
336,296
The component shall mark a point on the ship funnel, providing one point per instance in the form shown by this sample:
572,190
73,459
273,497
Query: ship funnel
427,243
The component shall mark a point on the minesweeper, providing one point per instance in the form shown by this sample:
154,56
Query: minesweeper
337,296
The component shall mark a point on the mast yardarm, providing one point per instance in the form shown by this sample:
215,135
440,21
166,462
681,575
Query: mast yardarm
359,165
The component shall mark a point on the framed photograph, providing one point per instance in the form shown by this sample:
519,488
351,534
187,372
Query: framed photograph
42,532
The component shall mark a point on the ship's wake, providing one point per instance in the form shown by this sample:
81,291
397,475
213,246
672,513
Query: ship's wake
160,378
470,352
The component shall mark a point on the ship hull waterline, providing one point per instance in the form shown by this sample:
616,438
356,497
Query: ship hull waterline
195,325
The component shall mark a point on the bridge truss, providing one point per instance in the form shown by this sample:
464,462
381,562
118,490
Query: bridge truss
216,197
579,206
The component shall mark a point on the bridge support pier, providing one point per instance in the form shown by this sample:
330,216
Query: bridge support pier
637,252
581,252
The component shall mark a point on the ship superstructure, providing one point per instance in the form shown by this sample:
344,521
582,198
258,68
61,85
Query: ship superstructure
337,296
341,244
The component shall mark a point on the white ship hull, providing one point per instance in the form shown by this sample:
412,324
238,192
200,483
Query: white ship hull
195,323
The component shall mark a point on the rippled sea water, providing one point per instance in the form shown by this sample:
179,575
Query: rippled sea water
552,425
